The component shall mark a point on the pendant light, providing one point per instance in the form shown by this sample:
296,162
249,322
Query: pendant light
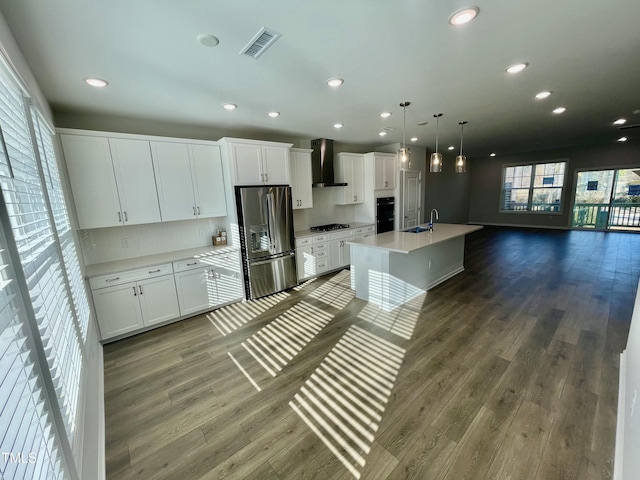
461,160
404,153
435,165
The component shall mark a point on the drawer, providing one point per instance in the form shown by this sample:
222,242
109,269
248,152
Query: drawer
320,254
370,229
303,242
319,247
192,263
322,265
129,276
320,238
339,235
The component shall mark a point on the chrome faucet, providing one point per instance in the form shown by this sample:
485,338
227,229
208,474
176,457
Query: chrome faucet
431,221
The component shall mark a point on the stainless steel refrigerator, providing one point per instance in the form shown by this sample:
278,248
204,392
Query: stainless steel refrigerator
265,218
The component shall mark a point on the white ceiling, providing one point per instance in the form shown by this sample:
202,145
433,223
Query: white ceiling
586,51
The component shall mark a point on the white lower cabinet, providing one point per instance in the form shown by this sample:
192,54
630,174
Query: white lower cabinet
136,300
126,306
311,256
327,252
207,283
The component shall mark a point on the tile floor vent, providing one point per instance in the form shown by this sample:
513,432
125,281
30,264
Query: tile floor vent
260,42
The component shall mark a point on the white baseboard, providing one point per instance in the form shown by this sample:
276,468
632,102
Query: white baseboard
619,449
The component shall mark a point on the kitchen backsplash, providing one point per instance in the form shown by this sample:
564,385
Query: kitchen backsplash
324,210
119,243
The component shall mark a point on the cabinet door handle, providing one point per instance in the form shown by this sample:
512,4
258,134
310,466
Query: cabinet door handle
262,177
198,210
112,279
154,271
126,219
135,294
194,211
266,177
140,288
119,217
386,184
311,250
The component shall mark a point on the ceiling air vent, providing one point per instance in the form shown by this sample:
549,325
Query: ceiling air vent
260,42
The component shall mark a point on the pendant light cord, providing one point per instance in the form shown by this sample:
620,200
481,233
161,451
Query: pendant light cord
404,125
461,136
437,131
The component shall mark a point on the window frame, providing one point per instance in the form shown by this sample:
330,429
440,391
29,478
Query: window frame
532,188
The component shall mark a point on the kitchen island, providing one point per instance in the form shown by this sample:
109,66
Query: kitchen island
392,268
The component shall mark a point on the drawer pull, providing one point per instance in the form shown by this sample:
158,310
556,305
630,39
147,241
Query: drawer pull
154,271
112,279
191,264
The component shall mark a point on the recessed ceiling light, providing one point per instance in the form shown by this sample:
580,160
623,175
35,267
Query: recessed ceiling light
620,121
385,114
382,133
335,82
414,139
338,125
96,82
559,110
517,68
464,15
622,139
450,147
542,95
208,40
229,106
492,154
273,114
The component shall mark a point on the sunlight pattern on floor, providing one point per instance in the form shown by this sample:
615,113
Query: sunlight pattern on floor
344,399
274,345
336,291
401,321
230,318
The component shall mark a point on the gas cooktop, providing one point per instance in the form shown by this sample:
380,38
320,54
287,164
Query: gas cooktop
329,227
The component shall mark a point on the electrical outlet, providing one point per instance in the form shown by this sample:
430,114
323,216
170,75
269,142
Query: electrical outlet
429,264
634,397
203,232
126,243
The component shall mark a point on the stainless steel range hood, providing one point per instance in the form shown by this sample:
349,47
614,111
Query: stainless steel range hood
322,164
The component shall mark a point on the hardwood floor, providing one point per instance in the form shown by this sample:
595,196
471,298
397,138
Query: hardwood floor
507,371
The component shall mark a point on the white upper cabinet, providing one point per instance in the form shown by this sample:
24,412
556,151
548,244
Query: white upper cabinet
112,180
301,178
189,180
385,170
349,169
258,163
135,180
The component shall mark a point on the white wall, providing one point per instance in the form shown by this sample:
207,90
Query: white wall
119,243
628,435
324,210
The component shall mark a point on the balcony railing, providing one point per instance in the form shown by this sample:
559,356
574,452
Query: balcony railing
603,215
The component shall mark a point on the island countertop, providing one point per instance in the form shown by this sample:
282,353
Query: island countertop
406,242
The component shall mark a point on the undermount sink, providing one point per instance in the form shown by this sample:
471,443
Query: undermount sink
415,230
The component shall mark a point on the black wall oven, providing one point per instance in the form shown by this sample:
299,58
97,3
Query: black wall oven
385,207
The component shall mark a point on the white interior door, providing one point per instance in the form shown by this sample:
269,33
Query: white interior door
411,185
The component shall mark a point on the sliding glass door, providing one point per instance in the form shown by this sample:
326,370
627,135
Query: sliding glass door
607,199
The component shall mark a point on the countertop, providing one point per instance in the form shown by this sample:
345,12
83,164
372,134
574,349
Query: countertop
352,225
405,242
117,266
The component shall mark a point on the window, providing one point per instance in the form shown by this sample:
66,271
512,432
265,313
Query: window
533,188
43,301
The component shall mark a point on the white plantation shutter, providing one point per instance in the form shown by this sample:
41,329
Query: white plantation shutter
26,429
44,139
41,384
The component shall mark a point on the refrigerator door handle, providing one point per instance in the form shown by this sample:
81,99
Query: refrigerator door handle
271,221
272,259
